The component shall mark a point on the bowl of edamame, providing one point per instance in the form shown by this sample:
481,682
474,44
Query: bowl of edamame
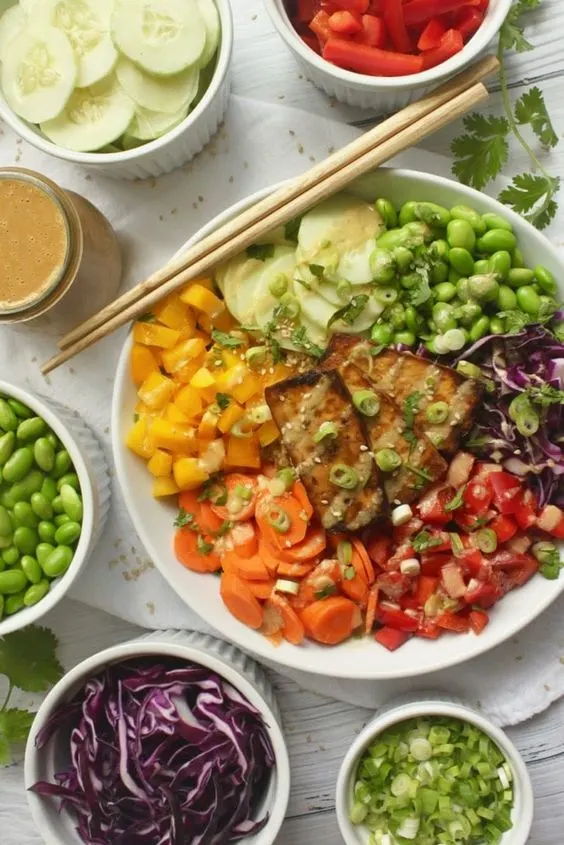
54,500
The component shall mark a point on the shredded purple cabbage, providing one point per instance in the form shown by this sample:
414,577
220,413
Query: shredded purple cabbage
515,363
165,754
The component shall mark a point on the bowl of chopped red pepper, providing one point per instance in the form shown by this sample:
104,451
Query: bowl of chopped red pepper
383,54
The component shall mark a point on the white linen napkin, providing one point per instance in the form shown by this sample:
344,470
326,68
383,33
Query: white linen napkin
258,145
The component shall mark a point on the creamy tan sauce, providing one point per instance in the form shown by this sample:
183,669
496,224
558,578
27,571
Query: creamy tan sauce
33,243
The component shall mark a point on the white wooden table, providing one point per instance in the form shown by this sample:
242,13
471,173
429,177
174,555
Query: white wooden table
319,730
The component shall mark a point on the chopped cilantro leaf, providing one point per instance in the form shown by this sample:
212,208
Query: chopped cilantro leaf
317,270
457,501
147,318
292,228
226,340
424,541
203,547
223,401
301,340
260,251
350,312
184,519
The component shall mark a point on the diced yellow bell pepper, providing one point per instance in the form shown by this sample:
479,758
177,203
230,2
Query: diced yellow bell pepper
174,415
280,373
225,322
232,358
188,473
176,438
183,353
268,433
175,314
139,440
203,299
243,452
156,390
202,378
165,487
204,282
189,401
230,416
205,323
208,425
151,334
160,464
142,362
249,387
228,380
184,375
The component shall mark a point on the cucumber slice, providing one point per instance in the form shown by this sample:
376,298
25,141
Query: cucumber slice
86,23
148,125
93,117
210,16
314,307
38,74
158,93
12,23
162,36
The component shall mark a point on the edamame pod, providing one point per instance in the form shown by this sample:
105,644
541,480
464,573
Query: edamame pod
58,562
7,445
31,569
8,420
44,454
36,592
18,465
12,581
30,429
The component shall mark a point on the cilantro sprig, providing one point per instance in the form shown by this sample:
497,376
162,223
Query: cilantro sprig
482,152
28,660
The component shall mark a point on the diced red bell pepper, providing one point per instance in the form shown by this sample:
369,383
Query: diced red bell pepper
525,513
426,587
505,528
478,620
307,9
312,42
320,26
357,7
506,491
431,506
468,21
451,44
428,630
432,564
395,26
512,569
483,595
370,60
409,603
402,533
345,23
373,31
431,35
391,638
375,7
477,497
379,549
396,619
453,622
403,552
473,563
393,584
420,11
551,520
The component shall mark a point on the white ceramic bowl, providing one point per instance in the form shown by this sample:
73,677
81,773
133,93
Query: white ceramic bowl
360,659
430,704
166,153
383,94
218,656
90,465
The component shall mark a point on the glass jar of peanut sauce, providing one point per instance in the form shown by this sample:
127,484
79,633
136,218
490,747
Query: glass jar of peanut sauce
59,256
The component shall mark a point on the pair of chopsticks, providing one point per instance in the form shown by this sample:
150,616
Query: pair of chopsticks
399,132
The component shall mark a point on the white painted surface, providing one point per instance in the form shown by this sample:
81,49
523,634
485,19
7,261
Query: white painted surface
318,729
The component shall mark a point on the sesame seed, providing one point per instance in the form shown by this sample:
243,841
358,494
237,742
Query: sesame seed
325,501
363,448
317,459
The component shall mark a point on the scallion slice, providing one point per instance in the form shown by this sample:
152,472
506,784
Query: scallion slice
366,402
343,476
326,429
279,519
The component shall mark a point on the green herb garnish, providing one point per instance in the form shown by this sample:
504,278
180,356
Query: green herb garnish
226,340
301,340
317,270
147,318
456,502
292,228
185,520
351,312
260,251
410,409
222,400
424,541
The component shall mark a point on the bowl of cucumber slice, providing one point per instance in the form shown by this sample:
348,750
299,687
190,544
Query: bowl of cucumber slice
128,88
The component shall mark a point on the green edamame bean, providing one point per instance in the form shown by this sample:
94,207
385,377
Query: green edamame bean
63,464
44,454
495,240
517,258
479,329
53,440
41,506
36,592
497,326
545,279
461,234
407,213
7,445
10,556
23,490
380,334
462,289
18,465
445,292
46,531
13,604
382,266
528,300
443,317
69,533
5,542
6,529
26,539
454,276
30,429
70,478
468,313
58,562
395,315
410,280
31,569
518,276
392,239
387,212
3,562
500,263
72,503
413,321
417,233
12,581
433,214
405,337
49,489
8,420
494,221
464,212
481,266
461,260
43,551
57,504
439,249
483,288
385,296
403,258
25,515
19,409
1,606
506,298
439,272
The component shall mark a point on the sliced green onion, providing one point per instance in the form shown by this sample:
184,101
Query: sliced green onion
437,413
468,369
256,356
279,285
388,460
409,828
290,305
545,552
344,552
486,540
258,415
400,786
386,295
326,429
292,588
244,493
344,290
456,544
524,415
421,749
287,476
241,429
454,339
279,519
366,402
343,476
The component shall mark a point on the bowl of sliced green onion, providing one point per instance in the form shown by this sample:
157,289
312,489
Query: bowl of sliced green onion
432,771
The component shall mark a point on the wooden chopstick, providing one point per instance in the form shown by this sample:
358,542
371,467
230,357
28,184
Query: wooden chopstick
320,172
230,244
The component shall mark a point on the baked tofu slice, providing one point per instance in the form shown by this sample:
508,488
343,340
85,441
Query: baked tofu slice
299,407
422,465
402,375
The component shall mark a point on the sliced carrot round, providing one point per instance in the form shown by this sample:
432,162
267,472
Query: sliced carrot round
248,568
269,556
300,493
292,626
288,511
295,570
355,587
262,589
322,582
207,519
240,601
187,552
332,620
188,501
243,535
241,498
311,546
